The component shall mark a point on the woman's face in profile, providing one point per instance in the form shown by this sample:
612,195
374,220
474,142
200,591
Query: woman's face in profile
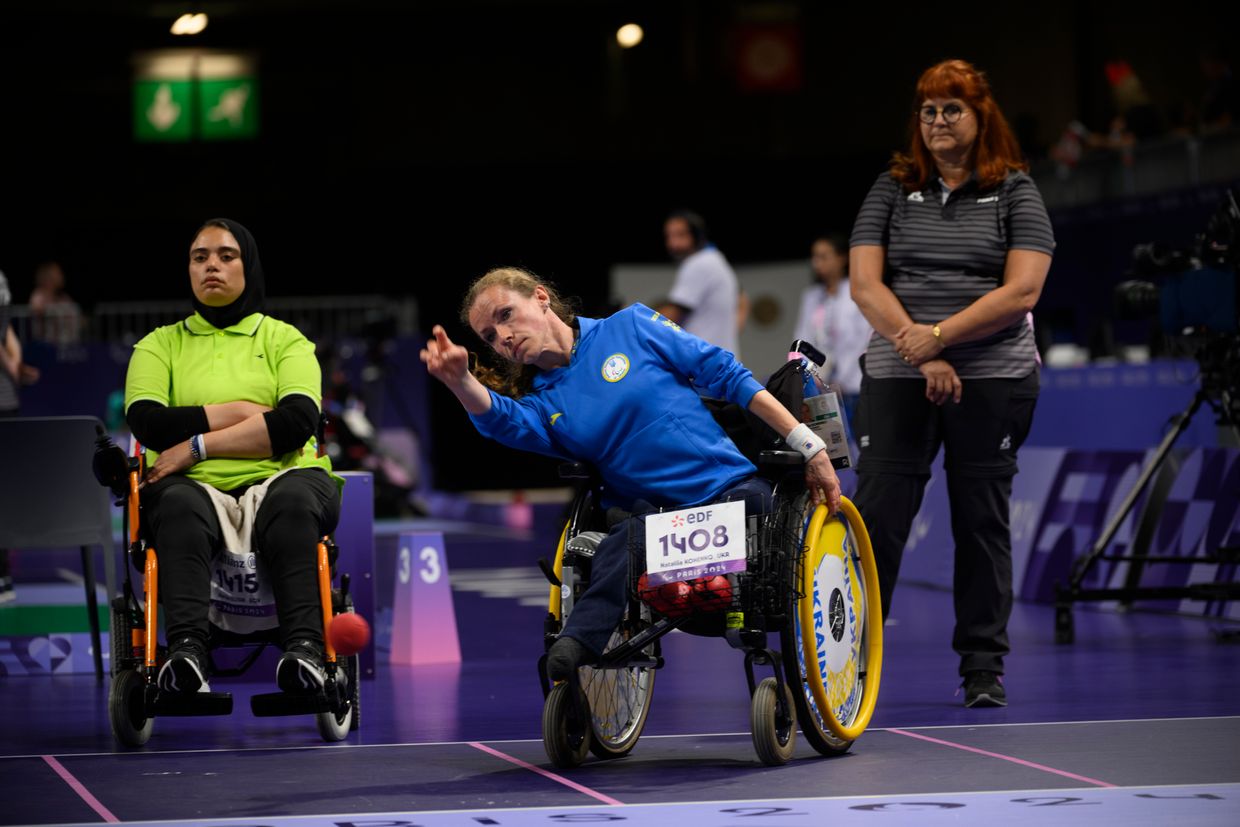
216,273
515,326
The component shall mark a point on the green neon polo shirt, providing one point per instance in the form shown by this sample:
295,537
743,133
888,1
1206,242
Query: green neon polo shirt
259,359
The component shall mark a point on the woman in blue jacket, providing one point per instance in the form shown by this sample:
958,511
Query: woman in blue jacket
623,394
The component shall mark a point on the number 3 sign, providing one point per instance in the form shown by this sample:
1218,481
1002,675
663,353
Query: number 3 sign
424,621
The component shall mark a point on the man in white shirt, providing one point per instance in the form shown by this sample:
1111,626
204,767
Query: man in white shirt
704,296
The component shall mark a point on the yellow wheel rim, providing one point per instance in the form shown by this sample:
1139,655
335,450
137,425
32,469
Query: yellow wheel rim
833,633
553,601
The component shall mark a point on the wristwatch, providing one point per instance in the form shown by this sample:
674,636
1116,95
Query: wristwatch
938,334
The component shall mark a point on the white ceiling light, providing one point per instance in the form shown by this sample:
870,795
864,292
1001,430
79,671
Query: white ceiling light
189,24
629,35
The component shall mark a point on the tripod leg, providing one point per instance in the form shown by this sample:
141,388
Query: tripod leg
1082,565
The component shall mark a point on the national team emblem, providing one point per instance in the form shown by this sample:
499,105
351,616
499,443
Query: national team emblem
616,367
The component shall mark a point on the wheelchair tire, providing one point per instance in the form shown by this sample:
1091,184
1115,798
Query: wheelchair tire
619,700
130,724
337,726
835,698
120,636
565,738
773,723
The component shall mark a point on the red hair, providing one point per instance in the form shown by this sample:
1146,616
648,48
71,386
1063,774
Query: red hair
995,150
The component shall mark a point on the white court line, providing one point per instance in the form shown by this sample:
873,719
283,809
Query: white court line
648,804
466,743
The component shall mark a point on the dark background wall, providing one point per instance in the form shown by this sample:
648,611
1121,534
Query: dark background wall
502,132
405,147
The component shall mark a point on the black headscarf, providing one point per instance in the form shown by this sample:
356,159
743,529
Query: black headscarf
251,298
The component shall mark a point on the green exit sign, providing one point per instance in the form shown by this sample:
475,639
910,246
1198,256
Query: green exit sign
181,110
163,110
228,108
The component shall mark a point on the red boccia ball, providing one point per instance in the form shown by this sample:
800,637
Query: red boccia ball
349,633
720,589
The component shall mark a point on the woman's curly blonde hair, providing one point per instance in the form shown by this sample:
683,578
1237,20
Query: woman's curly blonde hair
511,378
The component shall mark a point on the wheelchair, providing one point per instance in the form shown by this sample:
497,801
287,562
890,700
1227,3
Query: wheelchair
809,579
134,698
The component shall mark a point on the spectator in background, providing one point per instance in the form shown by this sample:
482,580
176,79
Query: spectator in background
705,296
13,374
831,320
1220,105
1136,117
55,317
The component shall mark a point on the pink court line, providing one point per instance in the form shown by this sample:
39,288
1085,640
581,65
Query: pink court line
606,799
81,790
1000,756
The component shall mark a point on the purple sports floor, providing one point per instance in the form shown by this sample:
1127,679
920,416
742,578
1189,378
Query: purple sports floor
1137,723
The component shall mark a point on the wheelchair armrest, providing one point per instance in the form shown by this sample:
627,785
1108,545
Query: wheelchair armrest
778,459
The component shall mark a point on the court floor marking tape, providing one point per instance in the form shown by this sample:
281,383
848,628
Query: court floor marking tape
1003,757
581,788
80,788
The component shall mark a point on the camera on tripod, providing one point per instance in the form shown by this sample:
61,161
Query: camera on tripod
1197,292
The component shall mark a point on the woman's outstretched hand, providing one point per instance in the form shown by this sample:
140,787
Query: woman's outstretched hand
449,363
446,361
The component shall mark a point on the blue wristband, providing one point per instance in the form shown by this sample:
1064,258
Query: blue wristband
197,448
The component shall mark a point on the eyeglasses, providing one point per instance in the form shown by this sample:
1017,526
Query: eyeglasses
952,113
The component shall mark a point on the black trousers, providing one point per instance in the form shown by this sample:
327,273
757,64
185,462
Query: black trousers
298,509
899,432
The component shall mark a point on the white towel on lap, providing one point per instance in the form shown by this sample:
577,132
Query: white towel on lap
241,597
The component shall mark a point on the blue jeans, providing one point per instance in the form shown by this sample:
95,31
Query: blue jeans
598,611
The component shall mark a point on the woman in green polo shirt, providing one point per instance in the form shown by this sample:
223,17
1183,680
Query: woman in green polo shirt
230,398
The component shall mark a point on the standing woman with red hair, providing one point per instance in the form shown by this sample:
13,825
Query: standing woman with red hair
948,257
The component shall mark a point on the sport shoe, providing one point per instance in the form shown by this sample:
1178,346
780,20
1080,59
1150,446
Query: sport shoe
185,670
300,670
982,688
565,656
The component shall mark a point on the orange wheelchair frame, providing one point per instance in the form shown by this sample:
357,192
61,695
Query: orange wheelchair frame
134,698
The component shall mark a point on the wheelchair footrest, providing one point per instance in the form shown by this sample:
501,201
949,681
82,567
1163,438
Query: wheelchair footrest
180,704
275,704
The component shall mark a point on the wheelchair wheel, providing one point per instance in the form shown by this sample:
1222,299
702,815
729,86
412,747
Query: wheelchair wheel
566,738
336,726
130,724
773,723
833,644
619,698
120,636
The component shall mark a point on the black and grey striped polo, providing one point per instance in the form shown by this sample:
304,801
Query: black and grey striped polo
941,257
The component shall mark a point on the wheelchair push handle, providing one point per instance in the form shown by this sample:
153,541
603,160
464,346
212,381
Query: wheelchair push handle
110,464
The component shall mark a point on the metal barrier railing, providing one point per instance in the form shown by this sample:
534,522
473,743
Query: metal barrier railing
1160,165
319,317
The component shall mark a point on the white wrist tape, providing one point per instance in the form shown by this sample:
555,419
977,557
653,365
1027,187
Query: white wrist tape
806,441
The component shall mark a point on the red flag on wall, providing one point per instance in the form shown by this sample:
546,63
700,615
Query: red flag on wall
768,58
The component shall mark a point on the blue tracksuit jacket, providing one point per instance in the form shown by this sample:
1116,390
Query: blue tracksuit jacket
627,402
